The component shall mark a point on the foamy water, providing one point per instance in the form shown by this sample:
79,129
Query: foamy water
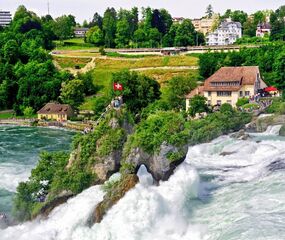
19,153
239,195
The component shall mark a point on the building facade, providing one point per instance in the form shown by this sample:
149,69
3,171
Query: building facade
56,112
178,20
204,25
5,18
263,29
226,34
229,84
80,32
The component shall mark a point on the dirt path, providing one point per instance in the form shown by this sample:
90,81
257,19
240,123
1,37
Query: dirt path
89,66
167,68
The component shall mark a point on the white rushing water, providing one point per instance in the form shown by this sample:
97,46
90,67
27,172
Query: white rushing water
225,190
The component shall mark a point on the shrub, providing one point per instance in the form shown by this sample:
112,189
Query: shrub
28,112
226,107
242,101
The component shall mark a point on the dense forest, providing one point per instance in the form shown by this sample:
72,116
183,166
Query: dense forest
156,28
28,77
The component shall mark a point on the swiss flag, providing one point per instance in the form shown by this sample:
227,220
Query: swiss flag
118,87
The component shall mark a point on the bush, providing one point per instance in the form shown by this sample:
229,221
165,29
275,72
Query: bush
252,106
278,106
28,112
226,107
100,104
102,51
242,101
156,129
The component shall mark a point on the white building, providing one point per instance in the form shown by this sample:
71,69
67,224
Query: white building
5,18
227,33
80,32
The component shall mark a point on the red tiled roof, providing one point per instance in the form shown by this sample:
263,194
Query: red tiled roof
243,75
56,108
197,91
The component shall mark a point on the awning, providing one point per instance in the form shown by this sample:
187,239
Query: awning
270,89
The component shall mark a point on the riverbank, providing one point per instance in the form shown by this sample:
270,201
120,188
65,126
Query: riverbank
75,126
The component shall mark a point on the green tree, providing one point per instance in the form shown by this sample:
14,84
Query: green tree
177,88
123,33
198,105
63,27
209,11
109,26
28,112
185,34
72,93
139,90
95,36
97,21
279,67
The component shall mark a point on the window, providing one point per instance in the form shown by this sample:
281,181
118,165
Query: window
224,94
209,102
219,102
240,93
209,94
247,93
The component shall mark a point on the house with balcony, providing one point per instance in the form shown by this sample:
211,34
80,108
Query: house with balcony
229,84
226,34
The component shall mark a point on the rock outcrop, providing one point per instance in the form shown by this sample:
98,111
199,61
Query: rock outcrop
240,135
58,200
261,123
114,195
158,163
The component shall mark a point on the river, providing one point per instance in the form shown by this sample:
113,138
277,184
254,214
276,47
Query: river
228,189
19,153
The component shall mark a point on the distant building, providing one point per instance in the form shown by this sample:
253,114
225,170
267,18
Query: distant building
227,33
229,84
204,25
80,32
5,18
177,20
56,112
170,51
263,29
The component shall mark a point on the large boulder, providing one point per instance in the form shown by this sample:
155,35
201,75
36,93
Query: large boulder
158,164
117,191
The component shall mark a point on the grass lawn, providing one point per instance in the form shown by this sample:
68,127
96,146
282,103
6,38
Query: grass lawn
102,74
73,44
6,115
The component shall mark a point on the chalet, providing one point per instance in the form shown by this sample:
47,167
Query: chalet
263,29
229,84
55,111
80,32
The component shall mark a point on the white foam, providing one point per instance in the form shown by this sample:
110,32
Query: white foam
12,174
247,203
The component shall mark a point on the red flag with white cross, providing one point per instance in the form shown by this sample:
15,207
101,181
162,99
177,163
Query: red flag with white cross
118,87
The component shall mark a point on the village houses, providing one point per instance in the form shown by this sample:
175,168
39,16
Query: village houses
229,84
